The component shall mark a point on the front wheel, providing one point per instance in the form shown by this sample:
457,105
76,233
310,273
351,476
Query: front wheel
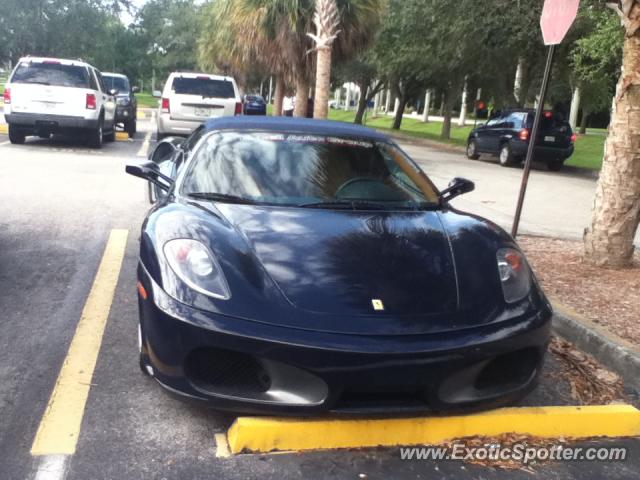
16,136
472,150
131,128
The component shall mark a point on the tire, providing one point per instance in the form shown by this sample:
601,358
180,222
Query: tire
111,137
472,150
555,166
16,136
505,157
96,136
131,127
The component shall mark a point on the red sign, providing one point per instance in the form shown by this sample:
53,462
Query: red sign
557,18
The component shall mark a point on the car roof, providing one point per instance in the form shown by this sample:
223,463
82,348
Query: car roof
196,74
63,61
516,110
293,125
111,74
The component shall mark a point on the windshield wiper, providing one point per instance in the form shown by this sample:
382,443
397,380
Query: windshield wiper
369,205
221,197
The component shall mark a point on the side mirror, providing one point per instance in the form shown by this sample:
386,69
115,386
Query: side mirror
149,171
458,186
481,125
113,91
135,89
157,94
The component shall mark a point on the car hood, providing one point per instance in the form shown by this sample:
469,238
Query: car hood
352,262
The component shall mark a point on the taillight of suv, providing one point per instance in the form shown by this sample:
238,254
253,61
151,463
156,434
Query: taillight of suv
238,108
524,134
91,101
166,106
7,96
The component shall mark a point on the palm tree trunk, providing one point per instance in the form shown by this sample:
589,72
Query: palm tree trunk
323,83
278,96
616,209
302,95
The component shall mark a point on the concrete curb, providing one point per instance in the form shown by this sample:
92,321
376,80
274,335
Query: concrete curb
264,434
613,352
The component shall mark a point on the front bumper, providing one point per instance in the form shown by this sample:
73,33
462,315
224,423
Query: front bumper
125,113
170,126
251,367
39,122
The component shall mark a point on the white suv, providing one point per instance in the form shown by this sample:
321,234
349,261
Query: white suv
188,99
51,95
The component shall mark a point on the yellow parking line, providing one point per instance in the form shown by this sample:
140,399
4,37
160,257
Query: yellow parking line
222,447
60,425
263,435
4,128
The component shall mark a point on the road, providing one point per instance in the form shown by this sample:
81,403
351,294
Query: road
58,203
557,204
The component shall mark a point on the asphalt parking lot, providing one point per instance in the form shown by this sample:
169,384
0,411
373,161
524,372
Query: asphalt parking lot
59,202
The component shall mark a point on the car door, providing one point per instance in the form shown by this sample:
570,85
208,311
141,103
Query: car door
508,128
491,134
108,100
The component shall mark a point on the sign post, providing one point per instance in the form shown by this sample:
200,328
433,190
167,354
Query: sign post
557,18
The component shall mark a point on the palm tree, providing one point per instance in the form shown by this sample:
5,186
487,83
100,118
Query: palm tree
616,210
287,22
230,40
326,20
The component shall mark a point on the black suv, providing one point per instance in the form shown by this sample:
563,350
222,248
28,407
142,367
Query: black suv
126,103
508,134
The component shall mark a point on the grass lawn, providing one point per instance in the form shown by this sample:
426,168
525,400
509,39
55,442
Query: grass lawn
588,154
146,100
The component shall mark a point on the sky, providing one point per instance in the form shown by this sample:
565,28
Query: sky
126,17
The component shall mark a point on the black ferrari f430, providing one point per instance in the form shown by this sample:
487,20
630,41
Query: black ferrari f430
295,266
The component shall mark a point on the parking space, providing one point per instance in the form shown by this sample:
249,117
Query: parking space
59,203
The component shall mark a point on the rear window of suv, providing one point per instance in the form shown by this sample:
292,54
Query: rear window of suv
55,74
203,87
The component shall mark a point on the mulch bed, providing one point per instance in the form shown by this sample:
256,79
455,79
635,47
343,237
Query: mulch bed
608,297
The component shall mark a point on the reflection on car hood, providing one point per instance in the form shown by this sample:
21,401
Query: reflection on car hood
340,262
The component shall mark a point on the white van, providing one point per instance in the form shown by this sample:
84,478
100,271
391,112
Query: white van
53,95
188,99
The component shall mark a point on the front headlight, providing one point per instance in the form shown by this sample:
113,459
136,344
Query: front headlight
515,274
124,101
197,267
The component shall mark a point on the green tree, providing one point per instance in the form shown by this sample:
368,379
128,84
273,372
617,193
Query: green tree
170,30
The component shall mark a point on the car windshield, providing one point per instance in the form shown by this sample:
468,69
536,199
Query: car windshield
204,87
119,83
51,73
307,170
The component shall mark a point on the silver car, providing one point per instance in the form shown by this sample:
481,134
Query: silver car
188,99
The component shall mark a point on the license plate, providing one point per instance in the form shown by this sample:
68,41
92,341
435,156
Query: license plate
549,139
202,112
